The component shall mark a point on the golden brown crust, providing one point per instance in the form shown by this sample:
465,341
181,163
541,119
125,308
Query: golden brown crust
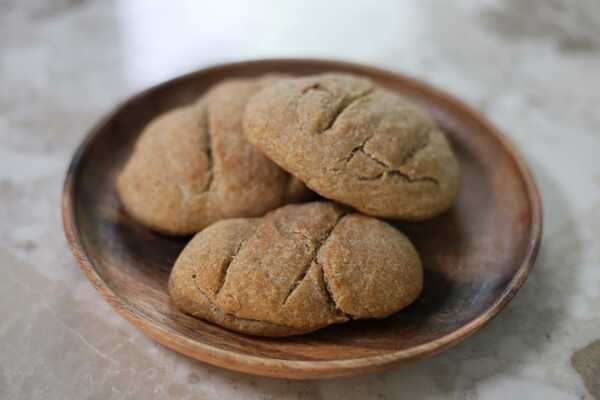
192,166
356,143
298,269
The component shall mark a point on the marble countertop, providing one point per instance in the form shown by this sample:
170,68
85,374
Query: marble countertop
531,66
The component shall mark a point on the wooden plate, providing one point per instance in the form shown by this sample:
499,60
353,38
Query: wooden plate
476,256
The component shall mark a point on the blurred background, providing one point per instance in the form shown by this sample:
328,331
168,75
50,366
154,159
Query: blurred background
531,66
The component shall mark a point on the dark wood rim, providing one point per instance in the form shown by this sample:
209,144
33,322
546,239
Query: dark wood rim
304,369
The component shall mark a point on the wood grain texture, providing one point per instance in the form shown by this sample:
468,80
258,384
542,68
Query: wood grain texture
476,256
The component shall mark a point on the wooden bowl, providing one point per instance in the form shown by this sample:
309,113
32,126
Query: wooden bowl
476,256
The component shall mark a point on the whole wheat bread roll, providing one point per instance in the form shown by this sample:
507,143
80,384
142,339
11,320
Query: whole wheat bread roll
192,166
298,269
357,143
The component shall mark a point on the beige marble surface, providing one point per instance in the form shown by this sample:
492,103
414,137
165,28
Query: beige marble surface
531,66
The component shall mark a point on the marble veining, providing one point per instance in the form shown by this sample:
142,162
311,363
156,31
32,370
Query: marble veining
530,66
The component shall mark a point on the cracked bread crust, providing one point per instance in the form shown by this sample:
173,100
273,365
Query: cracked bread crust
295,270
352,141
193,166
